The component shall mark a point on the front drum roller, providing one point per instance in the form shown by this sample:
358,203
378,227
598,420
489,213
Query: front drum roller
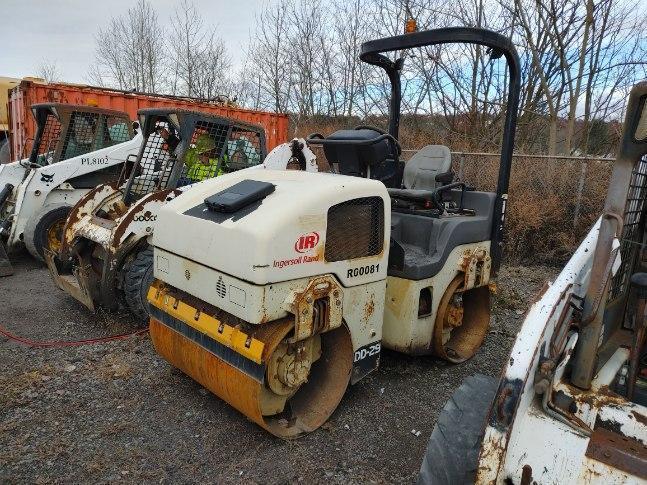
301,386
462,321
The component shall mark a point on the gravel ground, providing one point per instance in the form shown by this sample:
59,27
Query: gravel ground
115,411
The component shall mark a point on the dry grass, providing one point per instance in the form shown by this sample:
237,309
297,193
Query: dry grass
542,195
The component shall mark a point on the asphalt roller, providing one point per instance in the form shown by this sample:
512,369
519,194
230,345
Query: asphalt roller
275,290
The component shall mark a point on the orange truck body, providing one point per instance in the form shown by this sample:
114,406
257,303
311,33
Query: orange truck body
22,127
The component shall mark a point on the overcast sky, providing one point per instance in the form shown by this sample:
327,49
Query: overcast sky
63,31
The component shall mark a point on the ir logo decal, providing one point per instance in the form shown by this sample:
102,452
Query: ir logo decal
306,242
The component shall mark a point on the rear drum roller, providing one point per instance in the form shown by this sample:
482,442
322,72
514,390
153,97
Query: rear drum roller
462,321
301,385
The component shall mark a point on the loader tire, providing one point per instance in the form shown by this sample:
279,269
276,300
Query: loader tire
44,229
5,151
453,449
137,279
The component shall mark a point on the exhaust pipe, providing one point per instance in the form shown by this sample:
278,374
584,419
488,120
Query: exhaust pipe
5,265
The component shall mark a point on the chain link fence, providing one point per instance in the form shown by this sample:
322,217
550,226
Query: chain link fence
553,200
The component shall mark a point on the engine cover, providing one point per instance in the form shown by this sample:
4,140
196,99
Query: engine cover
311,224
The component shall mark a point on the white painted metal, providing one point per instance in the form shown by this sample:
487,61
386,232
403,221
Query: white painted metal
48,184
553,448
279,157
264,240
257,304
403,330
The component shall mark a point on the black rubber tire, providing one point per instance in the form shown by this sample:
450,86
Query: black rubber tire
35,233
5,151
453,449
137,279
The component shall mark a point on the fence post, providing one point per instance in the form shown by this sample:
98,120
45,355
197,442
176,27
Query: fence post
461,164
578,194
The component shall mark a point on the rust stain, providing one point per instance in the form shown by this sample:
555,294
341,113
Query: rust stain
397,290
491,456
124,222
618,451
641,418
83,208
603,397
526,475
369,308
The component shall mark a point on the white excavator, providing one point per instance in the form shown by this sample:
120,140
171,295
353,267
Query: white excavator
75,148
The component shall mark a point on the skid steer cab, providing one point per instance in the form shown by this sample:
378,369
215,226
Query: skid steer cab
75,149
571,405
105,257
282,287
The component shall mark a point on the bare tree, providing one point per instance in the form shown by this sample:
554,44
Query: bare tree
210,78
48,70
578,58
199,59
130,51
270,59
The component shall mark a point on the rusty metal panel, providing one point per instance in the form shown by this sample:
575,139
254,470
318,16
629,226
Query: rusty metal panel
30,92
618,451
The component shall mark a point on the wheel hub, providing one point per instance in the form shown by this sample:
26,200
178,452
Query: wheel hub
55,235
462,321
453,316
289,365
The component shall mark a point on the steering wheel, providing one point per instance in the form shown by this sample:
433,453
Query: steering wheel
436,194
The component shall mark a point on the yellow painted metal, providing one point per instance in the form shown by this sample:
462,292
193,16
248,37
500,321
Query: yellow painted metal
225,334
55,235
309,407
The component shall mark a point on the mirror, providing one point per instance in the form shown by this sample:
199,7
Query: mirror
641,128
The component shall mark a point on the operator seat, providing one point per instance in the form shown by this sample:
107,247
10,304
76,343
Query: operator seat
425,165
428,169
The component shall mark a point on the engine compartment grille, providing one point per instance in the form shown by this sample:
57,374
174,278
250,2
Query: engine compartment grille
355,229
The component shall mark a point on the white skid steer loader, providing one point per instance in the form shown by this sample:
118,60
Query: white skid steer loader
106,236
75,149
282,287
571,404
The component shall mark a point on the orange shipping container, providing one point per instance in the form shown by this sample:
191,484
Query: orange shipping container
22,127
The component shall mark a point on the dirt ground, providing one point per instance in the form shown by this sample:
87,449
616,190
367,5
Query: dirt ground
117,412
